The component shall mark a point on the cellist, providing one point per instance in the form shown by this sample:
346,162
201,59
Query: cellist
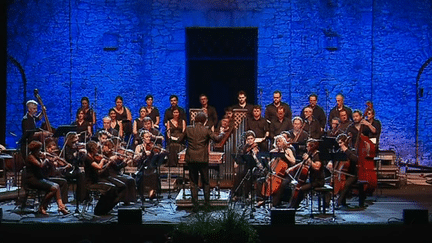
283,146
310,168
350,173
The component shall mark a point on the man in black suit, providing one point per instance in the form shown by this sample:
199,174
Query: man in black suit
197,155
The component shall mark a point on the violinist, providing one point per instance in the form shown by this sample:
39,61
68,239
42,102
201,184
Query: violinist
74,153
96,178
114,171
310,168
55,168
284,147
351,172
240,171
157,136
147,179
334,130
35,179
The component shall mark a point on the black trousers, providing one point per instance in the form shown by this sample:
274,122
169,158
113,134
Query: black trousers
196,169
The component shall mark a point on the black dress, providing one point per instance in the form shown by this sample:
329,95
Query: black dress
174,146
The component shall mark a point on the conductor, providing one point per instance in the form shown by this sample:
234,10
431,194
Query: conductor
197,155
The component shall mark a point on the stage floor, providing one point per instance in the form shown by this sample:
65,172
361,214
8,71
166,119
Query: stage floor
385,207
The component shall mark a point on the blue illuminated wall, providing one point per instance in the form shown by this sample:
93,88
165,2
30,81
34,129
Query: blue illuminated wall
367,50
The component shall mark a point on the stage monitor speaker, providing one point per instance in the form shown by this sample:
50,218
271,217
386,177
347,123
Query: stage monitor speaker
129,216
282,216
415,216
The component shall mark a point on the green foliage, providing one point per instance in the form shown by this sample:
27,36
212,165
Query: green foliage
225,226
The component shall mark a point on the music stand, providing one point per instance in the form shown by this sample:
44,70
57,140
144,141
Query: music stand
61,131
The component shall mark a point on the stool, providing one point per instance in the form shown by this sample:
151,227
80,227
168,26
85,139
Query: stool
35,195
94,192
322,192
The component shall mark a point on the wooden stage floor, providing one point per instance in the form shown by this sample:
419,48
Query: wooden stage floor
383,212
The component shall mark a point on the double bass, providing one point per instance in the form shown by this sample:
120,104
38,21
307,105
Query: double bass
366,152
47,125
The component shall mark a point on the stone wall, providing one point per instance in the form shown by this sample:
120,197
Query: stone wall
367,50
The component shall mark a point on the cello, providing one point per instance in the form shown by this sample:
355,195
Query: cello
366,153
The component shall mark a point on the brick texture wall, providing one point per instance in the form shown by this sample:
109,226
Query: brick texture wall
367,50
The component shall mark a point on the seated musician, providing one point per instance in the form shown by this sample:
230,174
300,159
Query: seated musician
34,178
240,170
147,179
226,126
115,168
310,168
157,136
56,168
111,132
96,178
74,153
89,113
298,136
103,136
282,146
350,173
84,128
334,130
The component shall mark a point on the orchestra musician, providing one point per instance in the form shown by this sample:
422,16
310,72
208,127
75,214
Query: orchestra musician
281,145
260,127
271,109
345,122
115,124
317,111
56,168
176,126
114,170
168,115
314,169
124,117
157,136
110,131
282,123
28,123
84,128
74,153
240,171
312,125
374,136
299,136
334,130
351,172
242,103
138,124
95,166
197,155
34,178
89,113
212,120
147,179
359,123
152,111
335,111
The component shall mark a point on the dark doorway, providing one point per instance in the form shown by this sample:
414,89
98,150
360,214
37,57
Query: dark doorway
221,62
